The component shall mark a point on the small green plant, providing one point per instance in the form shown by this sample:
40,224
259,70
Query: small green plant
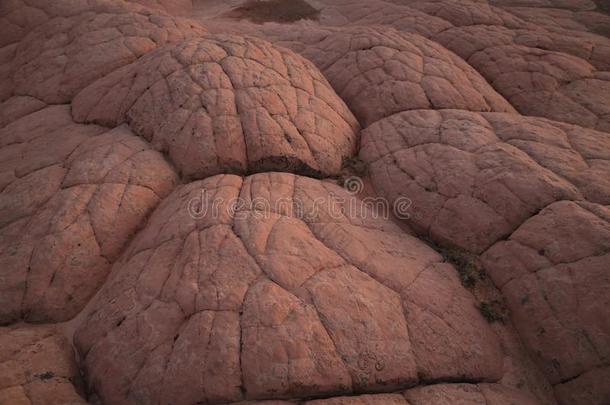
494,311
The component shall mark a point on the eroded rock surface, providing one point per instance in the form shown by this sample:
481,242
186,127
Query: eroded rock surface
38,366
79,42
295,299
554,268
227,104
71,196
274,288
380,71
474,178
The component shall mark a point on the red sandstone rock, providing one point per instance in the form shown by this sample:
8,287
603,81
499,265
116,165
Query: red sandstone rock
81,42
71,197
237,105
38,367
474,178
467,394
271,298
323,324
380,71
554,269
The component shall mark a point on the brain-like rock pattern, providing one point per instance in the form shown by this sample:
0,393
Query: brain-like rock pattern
276,289
37,366
82,43
554,269
557,84
555,72
380,71
71,196
475,23
264,287
227,104
575,5
474,178
465,13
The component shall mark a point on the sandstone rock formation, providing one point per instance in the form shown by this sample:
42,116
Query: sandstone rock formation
227,104
273,288
474,178
37,366
71,45
379,72
71,196
554,268
173,226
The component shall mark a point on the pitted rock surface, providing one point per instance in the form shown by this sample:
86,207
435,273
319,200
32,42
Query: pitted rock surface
227,104
71,196
81,42
37,366
294,298
380,71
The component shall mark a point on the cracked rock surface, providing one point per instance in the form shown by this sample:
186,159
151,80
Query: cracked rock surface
71,196
380,71
273,292
473,178
76,42
227,104
37,366
173,228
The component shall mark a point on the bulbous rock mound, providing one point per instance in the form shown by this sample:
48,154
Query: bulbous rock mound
475,177
78,42
37,366
221,104
71,195
554,269
380,71
537,76
276,289
265,287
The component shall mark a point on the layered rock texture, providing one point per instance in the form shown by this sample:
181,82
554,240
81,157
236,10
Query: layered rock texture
304,202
